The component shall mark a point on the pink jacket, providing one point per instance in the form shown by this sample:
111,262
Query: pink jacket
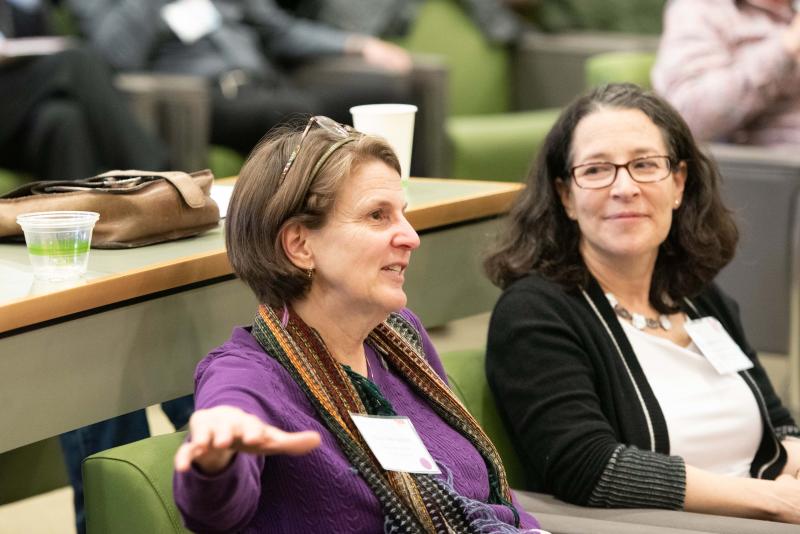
721,63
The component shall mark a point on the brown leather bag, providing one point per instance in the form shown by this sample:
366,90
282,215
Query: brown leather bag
136,208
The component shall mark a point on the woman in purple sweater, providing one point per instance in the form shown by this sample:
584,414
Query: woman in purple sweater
316,228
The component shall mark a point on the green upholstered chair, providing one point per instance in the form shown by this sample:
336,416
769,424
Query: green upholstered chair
467,377
128,489
486,138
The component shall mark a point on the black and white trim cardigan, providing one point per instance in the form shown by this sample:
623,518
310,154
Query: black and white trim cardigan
580,411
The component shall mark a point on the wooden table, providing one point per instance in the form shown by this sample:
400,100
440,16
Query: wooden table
130,333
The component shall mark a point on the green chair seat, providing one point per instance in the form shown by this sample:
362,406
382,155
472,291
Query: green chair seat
497,146
467,377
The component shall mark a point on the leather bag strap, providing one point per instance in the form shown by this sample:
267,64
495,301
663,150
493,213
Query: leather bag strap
183,182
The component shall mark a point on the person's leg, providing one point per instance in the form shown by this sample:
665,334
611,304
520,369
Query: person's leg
78,444
106,128
179,410
57,143
120,141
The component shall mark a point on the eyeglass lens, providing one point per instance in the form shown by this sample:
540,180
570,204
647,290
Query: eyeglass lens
603,174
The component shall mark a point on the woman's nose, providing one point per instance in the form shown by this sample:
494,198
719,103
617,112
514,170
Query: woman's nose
406,236
624,185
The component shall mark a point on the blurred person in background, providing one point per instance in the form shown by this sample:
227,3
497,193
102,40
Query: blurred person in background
62,118
246,49
730,67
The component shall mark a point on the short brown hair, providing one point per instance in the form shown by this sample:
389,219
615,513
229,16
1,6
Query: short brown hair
261,206
541,237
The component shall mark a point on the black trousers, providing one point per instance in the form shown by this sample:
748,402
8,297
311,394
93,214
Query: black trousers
62,119
240,122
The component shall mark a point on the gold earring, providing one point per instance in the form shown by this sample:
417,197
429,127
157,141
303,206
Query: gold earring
310,273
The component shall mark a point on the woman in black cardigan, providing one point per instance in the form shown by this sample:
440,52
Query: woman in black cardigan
606,267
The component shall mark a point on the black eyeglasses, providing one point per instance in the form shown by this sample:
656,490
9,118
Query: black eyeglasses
600,174
341,131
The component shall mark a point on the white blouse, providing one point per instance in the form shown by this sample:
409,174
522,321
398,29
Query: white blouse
713,420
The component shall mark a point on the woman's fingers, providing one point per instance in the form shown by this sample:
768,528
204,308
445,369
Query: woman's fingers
183,458
292,443
216,433
191,451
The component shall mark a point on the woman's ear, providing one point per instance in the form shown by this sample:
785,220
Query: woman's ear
679,178
565,195
294,239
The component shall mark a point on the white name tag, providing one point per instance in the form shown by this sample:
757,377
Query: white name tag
717,345
395,443
191,19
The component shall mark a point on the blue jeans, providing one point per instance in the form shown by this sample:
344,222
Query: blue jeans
78,444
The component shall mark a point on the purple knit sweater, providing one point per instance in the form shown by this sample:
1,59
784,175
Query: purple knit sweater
318,492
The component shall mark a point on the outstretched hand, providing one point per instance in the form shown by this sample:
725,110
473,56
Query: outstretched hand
216,434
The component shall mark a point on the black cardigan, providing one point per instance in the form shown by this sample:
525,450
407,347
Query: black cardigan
581,413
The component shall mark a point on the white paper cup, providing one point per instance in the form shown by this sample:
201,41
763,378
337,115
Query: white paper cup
393,122
58,242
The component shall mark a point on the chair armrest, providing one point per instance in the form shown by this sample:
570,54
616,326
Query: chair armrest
648,520
549,68
177,109
427,86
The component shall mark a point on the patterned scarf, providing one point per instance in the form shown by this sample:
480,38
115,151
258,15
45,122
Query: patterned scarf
411,503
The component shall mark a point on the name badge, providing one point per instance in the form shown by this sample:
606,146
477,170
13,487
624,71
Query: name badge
191,19
717,345
395,443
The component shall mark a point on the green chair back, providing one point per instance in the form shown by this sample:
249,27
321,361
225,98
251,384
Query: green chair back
128,489
479,72
467,377
487,139
611,67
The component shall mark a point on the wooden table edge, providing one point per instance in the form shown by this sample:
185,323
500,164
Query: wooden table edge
108,290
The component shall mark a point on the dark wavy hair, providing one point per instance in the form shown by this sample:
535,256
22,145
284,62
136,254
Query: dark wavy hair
262,205
541,237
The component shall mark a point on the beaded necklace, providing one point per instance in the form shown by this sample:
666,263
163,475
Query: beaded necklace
637,319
